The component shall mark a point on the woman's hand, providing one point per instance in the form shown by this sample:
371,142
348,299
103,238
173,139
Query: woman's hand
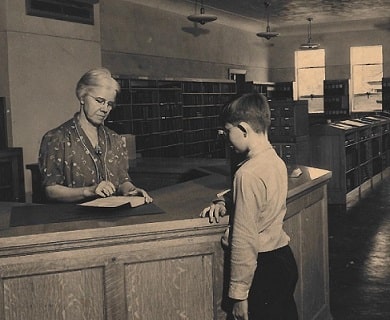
105,189
214,211
142,192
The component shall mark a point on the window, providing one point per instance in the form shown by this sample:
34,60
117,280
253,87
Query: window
309,77
68,10
366,78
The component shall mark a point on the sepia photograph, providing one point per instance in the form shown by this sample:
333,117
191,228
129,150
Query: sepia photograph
194,160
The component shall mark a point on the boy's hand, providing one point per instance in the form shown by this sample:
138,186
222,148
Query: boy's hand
240,310
214,211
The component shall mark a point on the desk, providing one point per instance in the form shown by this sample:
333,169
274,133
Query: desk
163,266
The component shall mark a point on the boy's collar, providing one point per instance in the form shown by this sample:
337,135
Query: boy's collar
259,148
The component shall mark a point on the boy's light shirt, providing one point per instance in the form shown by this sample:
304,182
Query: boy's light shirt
259,199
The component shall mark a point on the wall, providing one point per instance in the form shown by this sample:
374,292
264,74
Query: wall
336,39
4,92
154,38
45,59
158,41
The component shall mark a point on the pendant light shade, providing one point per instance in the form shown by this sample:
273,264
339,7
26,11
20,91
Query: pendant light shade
309,44
202,17
268,34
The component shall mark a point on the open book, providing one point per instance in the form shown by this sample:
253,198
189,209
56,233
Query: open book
115,201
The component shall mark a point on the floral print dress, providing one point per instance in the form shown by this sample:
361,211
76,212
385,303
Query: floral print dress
66,157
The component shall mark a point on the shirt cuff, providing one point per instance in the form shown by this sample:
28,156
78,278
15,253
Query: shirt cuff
238,291
217,200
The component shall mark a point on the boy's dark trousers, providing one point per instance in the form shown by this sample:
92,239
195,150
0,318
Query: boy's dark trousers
271,296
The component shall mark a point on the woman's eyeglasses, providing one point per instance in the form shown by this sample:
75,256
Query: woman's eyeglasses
103,102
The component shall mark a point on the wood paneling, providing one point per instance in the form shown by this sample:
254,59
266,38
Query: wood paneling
308,230
70,295
153,288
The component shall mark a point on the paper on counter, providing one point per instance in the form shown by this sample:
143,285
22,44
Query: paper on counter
115,201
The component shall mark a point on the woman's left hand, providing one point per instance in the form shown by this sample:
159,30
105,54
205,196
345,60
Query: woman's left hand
142,192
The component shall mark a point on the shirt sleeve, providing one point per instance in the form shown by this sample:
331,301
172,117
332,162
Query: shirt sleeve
249,197
51,160
122,160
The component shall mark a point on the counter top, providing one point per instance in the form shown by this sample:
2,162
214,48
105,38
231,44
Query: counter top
181,203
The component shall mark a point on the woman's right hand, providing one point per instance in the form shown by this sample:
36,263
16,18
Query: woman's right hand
105,189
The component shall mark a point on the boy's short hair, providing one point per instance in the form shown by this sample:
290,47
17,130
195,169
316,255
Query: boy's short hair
251,108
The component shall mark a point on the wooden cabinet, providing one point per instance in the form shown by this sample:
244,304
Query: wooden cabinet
289,131
356,151
11,175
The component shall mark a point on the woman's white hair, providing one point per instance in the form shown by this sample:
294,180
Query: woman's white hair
99,77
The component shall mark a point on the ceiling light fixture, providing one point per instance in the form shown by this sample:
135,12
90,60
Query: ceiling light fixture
268,34
309,44
202,17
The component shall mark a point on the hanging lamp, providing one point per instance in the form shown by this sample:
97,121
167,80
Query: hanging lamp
202,17
268,34
309,44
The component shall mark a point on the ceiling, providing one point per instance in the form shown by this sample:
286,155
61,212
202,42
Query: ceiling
288,12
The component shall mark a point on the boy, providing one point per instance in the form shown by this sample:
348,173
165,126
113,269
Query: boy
263,271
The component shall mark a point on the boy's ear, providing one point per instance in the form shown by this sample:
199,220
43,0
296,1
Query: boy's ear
244,127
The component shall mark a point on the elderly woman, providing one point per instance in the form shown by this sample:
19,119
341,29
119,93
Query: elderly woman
83,159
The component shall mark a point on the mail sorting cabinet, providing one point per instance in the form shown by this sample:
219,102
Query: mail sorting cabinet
386,95
272,90
283,91
172,118
203,101
152,111
385,128
336,98
264,88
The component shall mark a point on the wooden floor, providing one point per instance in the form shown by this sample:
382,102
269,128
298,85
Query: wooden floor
359,258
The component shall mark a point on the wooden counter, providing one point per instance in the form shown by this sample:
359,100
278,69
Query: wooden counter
160,266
